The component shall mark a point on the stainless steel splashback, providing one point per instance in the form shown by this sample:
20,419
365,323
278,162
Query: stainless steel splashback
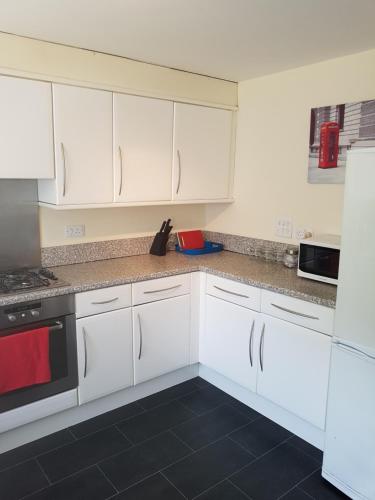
19,224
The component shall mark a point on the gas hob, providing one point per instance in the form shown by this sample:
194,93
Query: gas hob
22,280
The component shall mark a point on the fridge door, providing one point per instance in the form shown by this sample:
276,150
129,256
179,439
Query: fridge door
355,318
349,454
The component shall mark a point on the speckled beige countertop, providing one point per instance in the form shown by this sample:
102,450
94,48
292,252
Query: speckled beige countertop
99,274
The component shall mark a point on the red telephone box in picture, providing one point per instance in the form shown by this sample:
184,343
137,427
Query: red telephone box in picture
329,145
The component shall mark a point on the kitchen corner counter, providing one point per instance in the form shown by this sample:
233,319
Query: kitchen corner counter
250,270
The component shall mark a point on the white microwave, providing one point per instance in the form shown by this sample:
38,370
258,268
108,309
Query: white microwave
319,258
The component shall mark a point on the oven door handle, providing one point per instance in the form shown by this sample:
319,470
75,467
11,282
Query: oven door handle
85,350
57,326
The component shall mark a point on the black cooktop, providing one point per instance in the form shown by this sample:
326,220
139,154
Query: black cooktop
25,279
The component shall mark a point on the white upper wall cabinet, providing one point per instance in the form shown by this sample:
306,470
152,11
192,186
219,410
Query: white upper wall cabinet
83,147
142,148
202,153
26,137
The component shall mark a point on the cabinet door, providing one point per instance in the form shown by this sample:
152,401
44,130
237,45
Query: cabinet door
202,153
105,354
293,368
142,148
161,337
83,145
230,341
26,138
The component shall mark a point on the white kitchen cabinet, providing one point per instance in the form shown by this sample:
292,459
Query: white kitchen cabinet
301,312
229,343
83,147
105,354
161,339
103,300
202,152
293,368
142,148
234,291
161,288
26,136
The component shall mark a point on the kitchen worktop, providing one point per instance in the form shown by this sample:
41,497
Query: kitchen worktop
250,270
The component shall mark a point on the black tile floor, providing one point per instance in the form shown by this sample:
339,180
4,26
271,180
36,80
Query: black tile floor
189,441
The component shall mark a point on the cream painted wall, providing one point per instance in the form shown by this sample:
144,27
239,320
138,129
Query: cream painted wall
29,58
272,148
112,223
47,61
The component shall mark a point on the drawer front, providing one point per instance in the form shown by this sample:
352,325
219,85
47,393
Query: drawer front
103,300
162,288
233,291
298,311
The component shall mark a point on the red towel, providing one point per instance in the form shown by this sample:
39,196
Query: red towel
24,359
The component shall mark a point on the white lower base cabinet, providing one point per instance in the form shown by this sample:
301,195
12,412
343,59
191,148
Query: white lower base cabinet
294,368
230,341
105,354
161,333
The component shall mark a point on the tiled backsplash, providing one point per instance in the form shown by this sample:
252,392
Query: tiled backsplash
126,247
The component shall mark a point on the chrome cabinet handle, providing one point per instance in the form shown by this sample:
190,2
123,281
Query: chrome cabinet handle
85,350
353,349
179,171
162,289
232,293
105,301
140,337
296,313
121,170
261,347
64,167
251,343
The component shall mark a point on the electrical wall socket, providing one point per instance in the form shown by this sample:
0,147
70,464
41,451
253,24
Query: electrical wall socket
76,231
301,233
284,227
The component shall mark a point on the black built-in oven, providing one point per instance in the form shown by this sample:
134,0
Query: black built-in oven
56,313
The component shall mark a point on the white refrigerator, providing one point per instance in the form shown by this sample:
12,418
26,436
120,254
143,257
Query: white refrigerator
349,455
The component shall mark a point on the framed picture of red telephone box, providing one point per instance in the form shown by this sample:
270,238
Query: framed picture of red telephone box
333,131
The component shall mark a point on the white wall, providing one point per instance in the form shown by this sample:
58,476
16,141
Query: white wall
46,61
272,148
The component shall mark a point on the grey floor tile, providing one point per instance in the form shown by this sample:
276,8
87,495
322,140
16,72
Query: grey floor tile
203,469
152,422
275,473
21,480
106,419
320,489
155,487
142,460
307,448
80,454
89,484
168,395
204,399
260,436
223,491
30,450
210,426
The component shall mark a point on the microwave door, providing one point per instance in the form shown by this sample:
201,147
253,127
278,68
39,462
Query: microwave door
319,261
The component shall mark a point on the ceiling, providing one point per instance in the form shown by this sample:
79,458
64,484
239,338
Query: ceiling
229,39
